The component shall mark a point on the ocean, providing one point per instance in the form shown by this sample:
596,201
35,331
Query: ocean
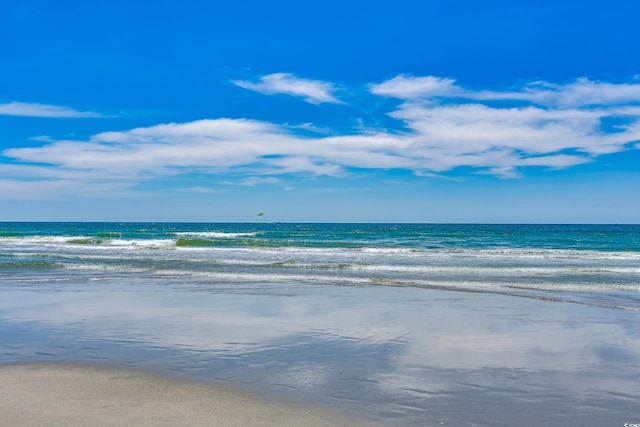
413,324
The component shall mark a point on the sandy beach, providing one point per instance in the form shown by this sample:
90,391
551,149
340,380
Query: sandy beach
78,395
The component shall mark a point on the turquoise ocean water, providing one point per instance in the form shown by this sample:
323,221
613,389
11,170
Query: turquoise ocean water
590,264
408,324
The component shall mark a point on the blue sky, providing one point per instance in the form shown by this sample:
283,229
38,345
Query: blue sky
390,111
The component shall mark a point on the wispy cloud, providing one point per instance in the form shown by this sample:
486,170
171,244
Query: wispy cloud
199,190
441,127
577,94
312,91
43,110
558,126
408,87
51,189
257,180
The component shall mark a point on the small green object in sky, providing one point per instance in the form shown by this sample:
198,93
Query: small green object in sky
261,213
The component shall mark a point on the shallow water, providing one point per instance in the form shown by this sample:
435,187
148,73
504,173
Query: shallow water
536,332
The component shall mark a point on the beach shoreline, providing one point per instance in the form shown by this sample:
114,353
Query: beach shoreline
407,324
70,394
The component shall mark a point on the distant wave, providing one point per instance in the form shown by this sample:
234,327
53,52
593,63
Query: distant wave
215,234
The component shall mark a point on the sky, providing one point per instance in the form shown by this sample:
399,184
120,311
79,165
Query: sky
336,111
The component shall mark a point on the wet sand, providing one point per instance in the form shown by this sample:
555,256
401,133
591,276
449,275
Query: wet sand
56,394
408,356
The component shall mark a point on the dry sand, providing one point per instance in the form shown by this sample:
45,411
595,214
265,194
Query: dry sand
77,395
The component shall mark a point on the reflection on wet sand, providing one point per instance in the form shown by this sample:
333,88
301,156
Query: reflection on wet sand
396,355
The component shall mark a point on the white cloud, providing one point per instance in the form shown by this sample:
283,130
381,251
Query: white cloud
43,110
211,144
476,128
255,180
201,190
558,127
312,91
584,92
252,181
408,87
580,93
452,126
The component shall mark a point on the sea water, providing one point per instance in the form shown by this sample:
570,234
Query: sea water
405,323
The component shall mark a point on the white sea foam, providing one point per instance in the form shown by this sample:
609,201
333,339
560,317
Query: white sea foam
39,240
405,252
214,234
481,281
502,270
140,243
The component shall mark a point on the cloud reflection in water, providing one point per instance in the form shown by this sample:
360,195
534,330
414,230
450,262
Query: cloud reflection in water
400,353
